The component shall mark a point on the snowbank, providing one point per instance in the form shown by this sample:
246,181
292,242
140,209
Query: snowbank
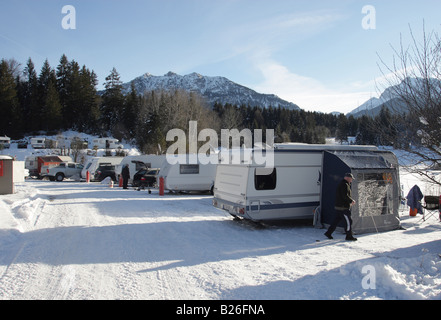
76,240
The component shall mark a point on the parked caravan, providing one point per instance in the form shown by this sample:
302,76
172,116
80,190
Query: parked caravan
106,143
376,189
5,142
289,190
93,164
137,163
38,143
34,164
188,176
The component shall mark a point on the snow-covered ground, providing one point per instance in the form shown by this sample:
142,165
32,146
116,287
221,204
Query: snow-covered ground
74,240
77,240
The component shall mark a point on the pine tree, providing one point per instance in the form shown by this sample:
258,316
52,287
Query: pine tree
9,106
88,101
388,134
49,117
72,110
341,133
29,98
130,112
78,96
365,134
62,87
112,103
52,110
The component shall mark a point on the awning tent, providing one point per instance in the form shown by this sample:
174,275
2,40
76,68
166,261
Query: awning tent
376,189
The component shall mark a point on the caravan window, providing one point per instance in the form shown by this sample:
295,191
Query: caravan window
139,165
189,169
144,165
375,193
265,178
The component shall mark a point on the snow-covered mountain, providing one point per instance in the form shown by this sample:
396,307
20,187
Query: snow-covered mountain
390,97
214,89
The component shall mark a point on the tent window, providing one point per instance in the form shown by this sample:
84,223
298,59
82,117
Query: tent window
375,193
265,179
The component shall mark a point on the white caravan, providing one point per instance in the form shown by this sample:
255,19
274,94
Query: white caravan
106,143
93,164
5,142
38,143
289,190
189,175
137,163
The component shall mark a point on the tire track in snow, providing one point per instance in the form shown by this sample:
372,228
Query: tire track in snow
127,282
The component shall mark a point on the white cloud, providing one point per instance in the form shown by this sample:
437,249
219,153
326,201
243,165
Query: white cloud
308,93
260,42
273,34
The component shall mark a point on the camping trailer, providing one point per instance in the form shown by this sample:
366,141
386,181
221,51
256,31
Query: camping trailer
289,190
189,175
38,143
376,189
106,143
5,142
93,164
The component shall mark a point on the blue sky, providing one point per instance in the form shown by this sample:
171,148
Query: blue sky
314,53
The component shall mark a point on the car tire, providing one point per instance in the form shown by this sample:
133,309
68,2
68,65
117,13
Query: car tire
59,177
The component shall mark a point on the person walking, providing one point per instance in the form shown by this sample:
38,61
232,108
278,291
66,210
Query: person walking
343,204
125,172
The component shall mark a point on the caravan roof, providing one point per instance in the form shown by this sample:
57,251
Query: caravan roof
322,147
259,157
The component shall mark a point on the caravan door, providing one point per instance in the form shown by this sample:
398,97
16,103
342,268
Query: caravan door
230,188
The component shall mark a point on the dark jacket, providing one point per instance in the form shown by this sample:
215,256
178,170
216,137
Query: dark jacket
125,173
343,197
414,199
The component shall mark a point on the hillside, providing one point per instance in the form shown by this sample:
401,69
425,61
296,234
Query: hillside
390,97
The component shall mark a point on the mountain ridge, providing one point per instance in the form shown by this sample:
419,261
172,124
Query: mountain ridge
391,99
215,89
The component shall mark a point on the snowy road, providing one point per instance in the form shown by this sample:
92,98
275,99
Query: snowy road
75,240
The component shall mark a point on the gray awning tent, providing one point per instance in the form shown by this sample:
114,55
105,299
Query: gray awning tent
376,188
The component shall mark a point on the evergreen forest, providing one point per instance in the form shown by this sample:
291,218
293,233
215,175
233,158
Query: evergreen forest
65,97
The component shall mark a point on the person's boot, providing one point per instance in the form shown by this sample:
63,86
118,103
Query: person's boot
350,237
328,235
